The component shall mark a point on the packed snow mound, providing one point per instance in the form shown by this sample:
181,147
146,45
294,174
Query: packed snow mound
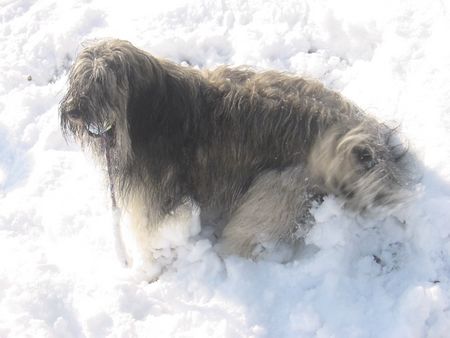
383,276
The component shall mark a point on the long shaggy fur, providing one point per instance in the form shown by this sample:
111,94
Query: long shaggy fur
252,149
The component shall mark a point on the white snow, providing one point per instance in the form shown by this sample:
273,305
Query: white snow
375,277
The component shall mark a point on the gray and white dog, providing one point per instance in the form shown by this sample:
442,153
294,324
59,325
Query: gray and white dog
253,150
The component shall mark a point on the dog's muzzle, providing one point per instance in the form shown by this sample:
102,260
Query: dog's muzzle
94,129
99,130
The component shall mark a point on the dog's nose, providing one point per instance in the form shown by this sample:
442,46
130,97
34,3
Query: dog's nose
74,114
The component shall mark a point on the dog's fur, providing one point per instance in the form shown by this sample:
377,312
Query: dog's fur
252,149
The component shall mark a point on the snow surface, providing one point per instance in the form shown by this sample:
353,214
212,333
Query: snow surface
378,277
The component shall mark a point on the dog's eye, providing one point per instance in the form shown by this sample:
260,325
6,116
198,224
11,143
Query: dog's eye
74,114
364,156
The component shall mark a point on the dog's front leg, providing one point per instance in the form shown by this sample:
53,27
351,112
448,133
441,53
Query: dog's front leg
137,229
155,238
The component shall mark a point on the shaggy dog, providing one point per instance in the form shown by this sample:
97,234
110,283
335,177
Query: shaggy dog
253,150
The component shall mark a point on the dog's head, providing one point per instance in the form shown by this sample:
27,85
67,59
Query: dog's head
365,165
96,94
100,85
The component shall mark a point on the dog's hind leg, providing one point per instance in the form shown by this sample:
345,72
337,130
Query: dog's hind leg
274,211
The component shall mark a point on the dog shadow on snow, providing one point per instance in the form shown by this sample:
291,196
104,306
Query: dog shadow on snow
14,163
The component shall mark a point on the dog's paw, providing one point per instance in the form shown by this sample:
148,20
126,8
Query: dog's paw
145,271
